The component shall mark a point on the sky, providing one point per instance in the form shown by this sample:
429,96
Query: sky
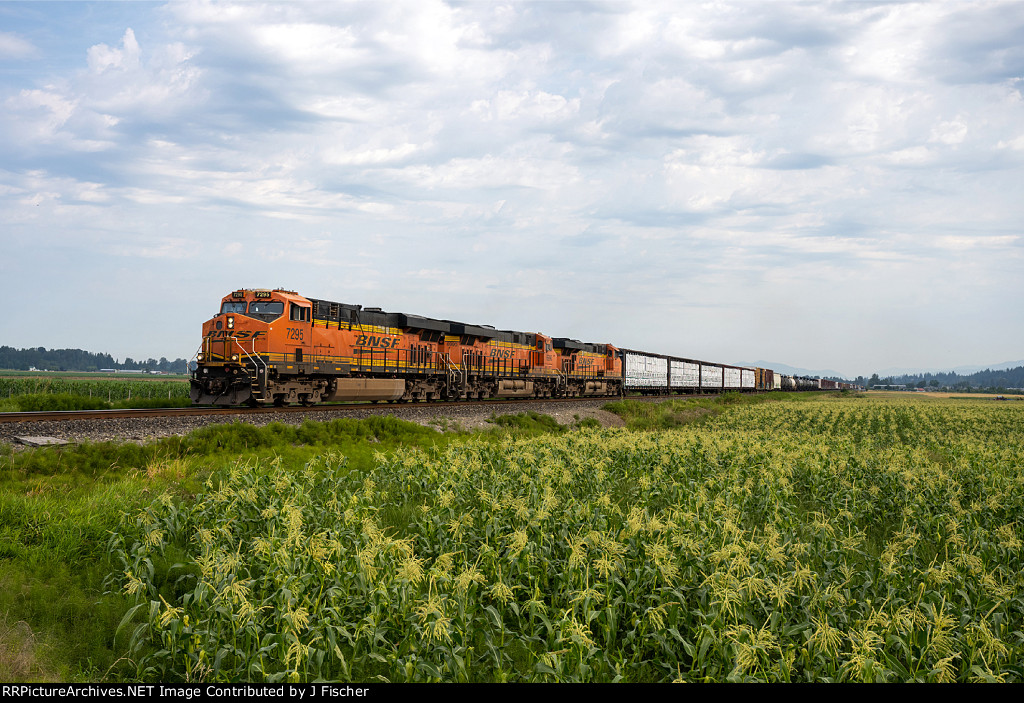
822,184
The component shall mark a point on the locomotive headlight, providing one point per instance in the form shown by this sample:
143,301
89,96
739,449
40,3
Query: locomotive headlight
199,357
234,357
231,322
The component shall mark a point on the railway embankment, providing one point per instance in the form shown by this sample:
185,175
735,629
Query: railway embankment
444,418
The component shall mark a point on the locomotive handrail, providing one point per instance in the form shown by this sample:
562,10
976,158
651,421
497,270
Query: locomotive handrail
254,385
454,373
247,354
254,357
562,379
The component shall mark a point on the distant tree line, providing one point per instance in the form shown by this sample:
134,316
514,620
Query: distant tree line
981,380
78,360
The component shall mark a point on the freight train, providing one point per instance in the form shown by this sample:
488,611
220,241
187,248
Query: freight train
278,347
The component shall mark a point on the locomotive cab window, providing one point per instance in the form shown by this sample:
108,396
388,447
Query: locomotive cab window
299,313
267,311
233,306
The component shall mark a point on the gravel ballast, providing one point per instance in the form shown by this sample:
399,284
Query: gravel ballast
444,418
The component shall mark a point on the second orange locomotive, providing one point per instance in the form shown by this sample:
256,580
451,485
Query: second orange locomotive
275,346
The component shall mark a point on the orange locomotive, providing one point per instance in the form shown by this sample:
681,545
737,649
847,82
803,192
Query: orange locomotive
275,346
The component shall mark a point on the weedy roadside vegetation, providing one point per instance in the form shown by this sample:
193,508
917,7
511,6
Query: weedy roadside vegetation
677,412
813,539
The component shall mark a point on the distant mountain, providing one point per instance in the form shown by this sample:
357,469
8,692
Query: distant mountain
796,371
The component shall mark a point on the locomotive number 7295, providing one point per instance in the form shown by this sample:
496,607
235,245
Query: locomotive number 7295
294,333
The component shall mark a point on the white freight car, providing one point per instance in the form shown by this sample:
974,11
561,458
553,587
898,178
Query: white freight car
748,379
731,377
684,374
711,376
645,371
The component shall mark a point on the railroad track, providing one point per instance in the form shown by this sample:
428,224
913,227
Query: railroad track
74,415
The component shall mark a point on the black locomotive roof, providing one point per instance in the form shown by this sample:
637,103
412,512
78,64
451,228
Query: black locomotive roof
514,337
577,345
464,330
566,343
356,314
415,322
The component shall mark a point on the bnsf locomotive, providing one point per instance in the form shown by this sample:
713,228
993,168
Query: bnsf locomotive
275,346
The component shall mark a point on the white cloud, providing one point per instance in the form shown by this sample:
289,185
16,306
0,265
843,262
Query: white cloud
101,57
892,42
492,172
910,156
166,248
371,156
526,107
950,132
84,111
14,47
1017,143
120,83
43,112
965,243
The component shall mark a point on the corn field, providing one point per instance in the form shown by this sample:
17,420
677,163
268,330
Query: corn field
104,389
841,540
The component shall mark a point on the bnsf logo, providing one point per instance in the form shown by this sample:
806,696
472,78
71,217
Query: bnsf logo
365,340
237,334
502,353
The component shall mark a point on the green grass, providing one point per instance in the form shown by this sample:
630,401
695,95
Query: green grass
647,415
51,402
532,423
